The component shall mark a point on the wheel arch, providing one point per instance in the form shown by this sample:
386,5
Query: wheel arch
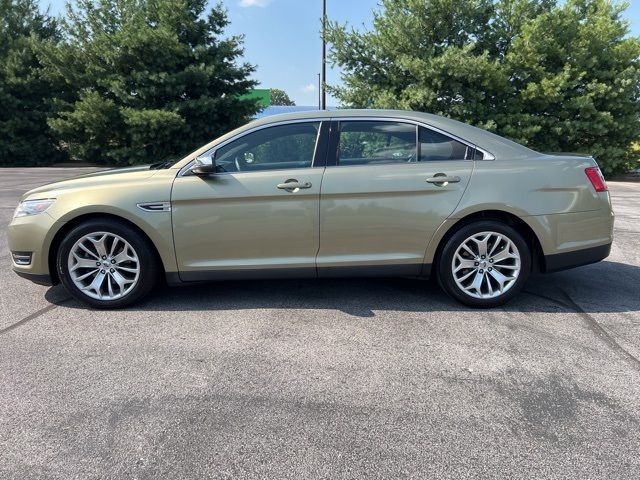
451,226
78,220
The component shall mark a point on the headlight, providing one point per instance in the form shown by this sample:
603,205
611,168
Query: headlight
32,207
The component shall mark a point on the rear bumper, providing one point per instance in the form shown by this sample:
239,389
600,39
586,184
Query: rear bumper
576,258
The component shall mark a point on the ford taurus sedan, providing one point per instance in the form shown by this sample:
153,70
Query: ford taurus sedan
321,194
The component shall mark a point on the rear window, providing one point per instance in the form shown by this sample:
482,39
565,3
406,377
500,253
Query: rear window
435,146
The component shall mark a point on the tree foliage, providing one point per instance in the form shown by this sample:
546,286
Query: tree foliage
280,97
555,76
146,79
25,138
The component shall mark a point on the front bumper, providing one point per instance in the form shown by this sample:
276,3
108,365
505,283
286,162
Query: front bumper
576,258
36,278
34,235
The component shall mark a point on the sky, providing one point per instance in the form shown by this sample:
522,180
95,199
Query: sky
282,38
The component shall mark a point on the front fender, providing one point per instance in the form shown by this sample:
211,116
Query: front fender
155,225
120,199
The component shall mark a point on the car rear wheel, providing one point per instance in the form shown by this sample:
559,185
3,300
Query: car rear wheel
484,264
106,264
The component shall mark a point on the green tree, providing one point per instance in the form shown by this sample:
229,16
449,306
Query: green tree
280,97
576,75
151,79
556,76
25,138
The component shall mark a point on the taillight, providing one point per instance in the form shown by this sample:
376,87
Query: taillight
597,180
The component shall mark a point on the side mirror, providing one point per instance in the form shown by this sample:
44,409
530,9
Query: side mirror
204,165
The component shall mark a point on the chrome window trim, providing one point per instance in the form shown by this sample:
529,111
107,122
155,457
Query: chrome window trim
262,171
486,154
184,170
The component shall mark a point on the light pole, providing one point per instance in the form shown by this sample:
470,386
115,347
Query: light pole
323,79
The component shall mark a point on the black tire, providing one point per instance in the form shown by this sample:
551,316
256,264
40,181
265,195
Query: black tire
445,269
149,269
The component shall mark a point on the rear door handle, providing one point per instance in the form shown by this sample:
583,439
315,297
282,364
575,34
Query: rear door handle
442,179
293,185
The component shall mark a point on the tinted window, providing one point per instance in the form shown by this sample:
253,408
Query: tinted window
436,146
283,146
372,142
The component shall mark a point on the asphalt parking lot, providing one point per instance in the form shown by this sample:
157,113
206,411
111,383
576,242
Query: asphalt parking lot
380,378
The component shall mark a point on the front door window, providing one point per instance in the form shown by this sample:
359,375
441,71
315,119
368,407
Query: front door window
272,148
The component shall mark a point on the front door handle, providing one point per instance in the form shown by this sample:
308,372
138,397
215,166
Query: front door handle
442,179
292,185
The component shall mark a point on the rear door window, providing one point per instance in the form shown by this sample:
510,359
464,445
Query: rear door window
376,143
435,146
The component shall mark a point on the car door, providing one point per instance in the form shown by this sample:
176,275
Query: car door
258,214
388,186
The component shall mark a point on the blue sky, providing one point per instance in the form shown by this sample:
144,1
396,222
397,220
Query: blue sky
282,38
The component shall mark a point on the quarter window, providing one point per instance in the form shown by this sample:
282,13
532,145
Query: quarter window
435,146
375,142
271,148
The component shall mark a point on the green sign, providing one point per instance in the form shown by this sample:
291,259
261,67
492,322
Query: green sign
262,95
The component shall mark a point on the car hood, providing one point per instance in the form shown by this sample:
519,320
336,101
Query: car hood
103,177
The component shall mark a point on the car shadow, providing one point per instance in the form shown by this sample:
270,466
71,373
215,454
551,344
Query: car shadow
602,287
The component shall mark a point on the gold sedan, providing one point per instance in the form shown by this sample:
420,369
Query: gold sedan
321,194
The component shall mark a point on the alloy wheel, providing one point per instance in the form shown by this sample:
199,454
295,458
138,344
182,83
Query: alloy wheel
486,265
103,266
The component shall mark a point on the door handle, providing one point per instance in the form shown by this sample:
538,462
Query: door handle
442,179
293,185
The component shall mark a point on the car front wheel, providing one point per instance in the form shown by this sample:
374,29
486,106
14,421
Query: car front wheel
484,264
106,264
